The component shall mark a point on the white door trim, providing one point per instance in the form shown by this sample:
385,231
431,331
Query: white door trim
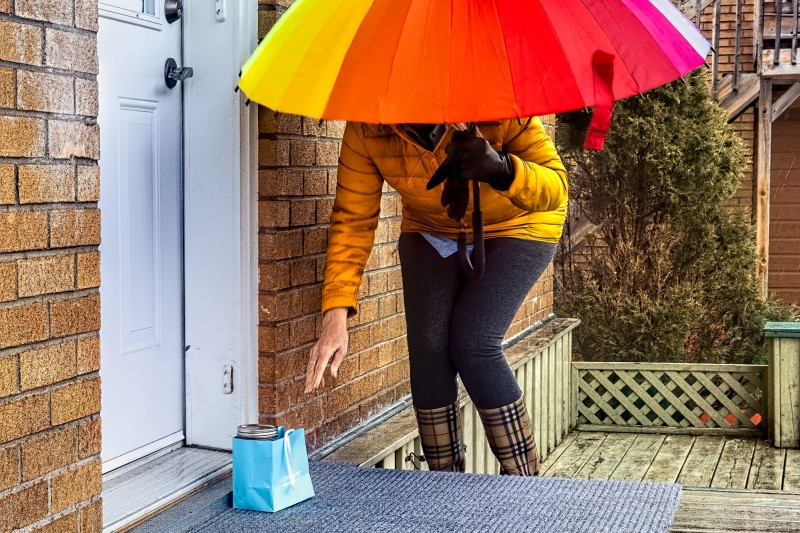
220,237
248,40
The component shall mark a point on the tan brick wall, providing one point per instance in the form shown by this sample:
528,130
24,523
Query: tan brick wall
297,179
745,125
50,476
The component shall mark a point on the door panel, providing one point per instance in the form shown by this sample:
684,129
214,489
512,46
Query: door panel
141,253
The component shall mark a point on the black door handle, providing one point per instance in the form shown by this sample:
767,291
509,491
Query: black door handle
173,74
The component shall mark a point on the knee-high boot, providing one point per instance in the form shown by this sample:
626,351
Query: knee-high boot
510,435
441,436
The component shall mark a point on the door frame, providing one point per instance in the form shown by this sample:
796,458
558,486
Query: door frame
204,199
237,337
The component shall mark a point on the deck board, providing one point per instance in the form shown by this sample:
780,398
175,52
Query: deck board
791,473
720,511
698,470
669,460
734,464
605,459
731,484
576,454
637,461
766,470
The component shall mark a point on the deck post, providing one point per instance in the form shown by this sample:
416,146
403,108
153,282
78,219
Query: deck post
763,169
783,388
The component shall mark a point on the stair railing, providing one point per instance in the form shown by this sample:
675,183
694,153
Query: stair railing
716,12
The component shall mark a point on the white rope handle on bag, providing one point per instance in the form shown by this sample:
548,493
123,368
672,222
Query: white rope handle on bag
287,454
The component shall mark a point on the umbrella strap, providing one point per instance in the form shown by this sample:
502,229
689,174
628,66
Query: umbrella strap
474,268
603,74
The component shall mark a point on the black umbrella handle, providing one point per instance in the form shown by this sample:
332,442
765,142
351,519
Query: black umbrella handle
473,271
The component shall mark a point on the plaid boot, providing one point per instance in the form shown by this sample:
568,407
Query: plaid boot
510,435
442,441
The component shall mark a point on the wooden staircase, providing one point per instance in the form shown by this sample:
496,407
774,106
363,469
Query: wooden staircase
736,100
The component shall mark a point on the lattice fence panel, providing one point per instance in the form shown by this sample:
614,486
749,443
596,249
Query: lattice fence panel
681,396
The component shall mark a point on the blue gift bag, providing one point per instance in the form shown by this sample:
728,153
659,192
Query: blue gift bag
270,475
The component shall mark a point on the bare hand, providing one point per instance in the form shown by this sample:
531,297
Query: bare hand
332,343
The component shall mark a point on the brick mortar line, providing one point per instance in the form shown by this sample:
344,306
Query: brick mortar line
265,230
87,120
318,255
49,389
52,206
13,17
298,167
272,292
19,350
51,298
324,196
47,69
7,257
278,136
53,517
26,161
288,197
48,477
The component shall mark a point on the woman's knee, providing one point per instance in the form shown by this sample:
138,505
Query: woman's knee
467,346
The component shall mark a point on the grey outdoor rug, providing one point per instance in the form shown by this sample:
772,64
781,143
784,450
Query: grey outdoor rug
369,500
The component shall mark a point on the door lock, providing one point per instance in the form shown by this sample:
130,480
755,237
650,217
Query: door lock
173,10
173,74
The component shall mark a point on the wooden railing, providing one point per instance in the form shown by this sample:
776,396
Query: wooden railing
672,398
739,400
778,27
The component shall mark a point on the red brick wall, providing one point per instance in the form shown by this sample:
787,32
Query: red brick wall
50,473
297,179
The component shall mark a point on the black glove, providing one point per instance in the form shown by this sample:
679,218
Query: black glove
470,158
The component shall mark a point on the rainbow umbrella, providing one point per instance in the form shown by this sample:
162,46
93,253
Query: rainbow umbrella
457,61
432,61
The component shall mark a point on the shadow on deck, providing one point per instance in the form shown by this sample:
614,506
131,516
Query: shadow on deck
730,483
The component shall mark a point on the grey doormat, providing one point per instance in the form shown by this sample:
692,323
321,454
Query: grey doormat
369,500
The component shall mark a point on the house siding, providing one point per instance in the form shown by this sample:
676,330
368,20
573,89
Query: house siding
784,231
298,160
50,472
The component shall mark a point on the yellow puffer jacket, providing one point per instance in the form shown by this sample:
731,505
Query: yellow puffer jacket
534,207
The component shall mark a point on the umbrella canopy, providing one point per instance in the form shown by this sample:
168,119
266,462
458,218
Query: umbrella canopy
432,61
456,61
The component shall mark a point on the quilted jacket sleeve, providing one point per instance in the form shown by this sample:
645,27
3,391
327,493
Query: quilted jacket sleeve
353,222
540,179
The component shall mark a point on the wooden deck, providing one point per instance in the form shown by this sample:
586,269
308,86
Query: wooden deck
730,483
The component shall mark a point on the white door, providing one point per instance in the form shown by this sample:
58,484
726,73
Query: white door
141,253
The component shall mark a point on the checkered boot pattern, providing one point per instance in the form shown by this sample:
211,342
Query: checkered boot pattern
510,435
442,440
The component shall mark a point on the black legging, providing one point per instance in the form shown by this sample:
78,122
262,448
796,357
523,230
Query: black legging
456,326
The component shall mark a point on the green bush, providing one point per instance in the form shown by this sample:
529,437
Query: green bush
671,274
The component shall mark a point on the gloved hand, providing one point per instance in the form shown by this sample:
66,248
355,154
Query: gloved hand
470,158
